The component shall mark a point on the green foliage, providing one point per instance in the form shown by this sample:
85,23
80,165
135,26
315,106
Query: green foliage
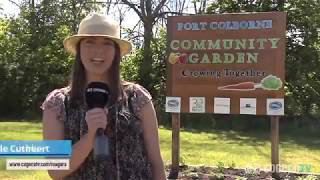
32,58
303,60
182,159
232,165
233,6
130,70
129,66
158,75
220,166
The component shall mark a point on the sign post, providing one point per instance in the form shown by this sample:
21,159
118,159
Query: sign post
226,64
175,145
275,146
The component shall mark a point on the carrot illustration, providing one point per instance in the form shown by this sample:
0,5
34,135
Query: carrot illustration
244,86
269,82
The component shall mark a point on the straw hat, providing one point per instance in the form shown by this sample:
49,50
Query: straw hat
97,25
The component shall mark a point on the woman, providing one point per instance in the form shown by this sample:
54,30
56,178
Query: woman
129,118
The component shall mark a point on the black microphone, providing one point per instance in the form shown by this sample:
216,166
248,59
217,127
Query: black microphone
97,94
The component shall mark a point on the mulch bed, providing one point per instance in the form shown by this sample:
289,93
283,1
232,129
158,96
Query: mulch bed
212,173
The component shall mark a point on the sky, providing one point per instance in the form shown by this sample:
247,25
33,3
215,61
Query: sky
130,21
11,9
8,7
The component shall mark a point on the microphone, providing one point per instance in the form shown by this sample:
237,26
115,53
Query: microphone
97,94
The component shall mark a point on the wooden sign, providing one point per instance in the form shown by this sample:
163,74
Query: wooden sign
231,61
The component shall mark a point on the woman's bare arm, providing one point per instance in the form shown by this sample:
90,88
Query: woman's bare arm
53,129
150,133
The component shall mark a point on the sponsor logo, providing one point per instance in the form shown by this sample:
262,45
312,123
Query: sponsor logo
222,105
276,105
173,103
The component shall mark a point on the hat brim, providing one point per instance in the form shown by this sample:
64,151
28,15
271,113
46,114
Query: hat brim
71,42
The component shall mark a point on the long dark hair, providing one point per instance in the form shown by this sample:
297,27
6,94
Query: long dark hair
78,79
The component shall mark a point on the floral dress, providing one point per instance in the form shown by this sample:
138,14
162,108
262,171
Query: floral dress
128,160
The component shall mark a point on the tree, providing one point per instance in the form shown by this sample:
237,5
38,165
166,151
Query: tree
148,12
34,60
1,9
303,57
199,6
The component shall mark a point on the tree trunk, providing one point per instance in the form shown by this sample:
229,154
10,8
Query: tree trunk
146,64
74,17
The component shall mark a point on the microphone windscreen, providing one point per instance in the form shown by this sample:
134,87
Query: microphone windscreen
97,94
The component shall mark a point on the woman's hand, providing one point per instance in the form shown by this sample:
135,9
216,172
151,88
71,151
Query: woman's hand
96,118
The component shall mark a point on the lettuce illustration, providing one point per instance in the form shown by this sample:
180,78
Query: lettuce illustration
271,83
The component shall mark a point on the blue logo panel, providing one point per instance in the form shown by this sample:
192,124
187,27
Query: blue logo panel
35,148
275,105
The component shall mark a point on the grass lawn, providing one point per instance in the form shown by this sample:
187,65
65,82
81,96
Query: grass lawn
212,148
